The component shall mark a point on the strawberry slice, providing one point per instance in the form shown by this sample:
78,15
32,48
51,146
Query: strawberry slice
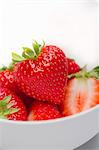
82,92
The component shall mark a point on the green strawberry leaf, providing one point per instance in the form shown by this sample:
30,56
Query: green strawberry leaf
16,57
36,47
10,66
3,68
10,111
94,72
6,107
28,53
5,100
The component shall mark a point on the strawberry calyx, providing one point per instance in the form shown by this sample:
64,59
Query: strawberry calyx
83,73
37,47
16,58
28,53
3,68
94,72
9,67
6,107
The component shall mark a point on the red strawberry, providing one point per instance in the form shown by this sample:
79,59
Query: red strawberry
26,100
73,67
43,75
6,78
11,106
43,111
7,81
82,92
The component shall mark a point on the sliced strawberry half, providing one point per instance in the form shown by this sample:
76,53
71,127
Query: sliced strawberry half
82,92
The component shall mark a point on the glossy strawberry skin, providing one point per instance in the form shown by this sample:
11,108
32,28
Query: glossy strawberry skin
7,81
44,78
73,67
43,111
81,94
6,78
17,103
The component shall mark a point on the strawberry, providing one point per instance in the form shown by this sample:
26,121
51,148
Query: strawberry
82,92
6,78
73,67
43,111
41,74
11,106
26,100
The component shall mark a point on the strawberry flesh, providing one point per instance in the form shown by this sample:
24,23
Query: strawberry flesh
81,94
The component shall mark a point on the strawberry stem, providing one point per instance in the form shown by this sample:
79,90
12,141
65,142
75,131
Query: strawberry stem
6,107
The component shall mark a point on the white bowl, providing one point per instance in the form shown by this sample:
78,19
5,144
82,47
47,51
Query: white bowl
65,133
74,27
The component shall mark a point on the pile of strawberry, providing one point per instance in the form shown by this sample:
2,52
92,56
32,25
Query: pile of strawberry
44,84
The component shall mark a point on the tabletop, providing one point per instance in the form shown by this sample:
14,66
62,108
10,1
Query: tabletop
93,144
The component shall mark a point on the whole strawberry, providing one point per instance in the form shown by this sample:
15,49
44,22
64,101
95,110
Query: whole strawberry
42,74
7,81
11,106
43,111
82,92
73,67
6,78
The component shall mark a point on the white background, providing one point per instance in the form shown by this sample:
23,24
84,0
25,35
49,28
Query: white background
73,27
70,25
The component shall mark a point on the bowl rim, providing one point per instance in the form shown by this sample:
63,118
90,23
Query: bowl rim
52,120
